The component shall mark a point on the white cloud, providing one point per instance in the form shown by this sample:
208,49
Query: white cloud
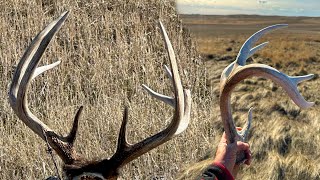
262,1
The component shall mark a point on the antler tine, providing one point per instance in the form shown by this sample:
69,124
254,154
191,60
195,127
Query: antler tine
161,97
245,129
182,102
166,99
42,69
246,51
73,132
182,96
122,139
24,73
168,71
299,79
238,71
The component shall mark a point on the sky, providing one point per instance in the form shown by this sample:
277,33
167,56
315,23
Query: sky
259,7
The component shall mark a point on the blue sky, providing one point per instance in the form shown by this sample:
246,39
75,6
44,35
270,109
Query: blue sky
260,7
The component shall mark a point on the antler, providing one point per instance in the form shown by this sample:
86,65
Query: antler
25,72
75,166
238,71
181,103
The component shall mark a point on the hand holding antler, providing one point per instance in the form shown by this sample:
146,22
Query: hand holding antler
238,71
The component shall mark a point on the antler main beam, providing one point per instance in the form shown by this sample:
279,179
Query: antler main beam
238,71
76,166
25,72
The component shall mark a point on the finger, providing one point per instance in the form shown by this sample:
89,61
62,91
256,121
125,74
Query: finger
241,146
223,138
223,144
248,157
235,170
248,162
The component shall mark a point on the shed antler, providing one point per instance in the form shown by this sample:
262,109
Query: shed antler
75,165
238,71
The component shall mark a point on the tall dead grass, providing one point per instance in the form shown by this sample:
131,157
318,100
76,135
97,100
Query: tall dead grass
108,49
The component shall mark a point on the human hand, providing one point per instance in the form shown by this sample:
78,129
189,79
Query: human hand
227,153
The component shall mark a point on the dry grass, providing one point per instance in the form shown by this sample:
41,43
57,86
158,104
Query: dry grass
108,50
284,139
221,37
283,48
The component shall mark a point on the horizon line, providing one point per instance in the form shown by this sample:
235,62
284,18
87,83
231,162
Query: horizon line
243,15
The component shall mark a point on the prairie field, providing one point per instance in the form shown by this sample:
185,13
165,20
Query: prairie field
284,138
109,48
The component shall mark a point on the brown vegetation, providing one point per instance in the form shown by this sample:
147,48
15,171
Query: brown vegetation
224,35
284,139
108,50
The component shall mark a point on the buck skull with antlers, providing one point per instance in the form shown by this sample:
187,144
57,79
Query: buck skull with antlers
238,71
76,166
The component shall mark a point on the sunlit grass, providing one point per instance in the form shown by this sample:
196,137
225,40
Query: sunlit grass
108,50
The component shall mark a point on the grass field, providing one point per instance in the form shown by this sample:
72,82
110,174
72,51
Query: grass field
224,35
108,49
285,139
